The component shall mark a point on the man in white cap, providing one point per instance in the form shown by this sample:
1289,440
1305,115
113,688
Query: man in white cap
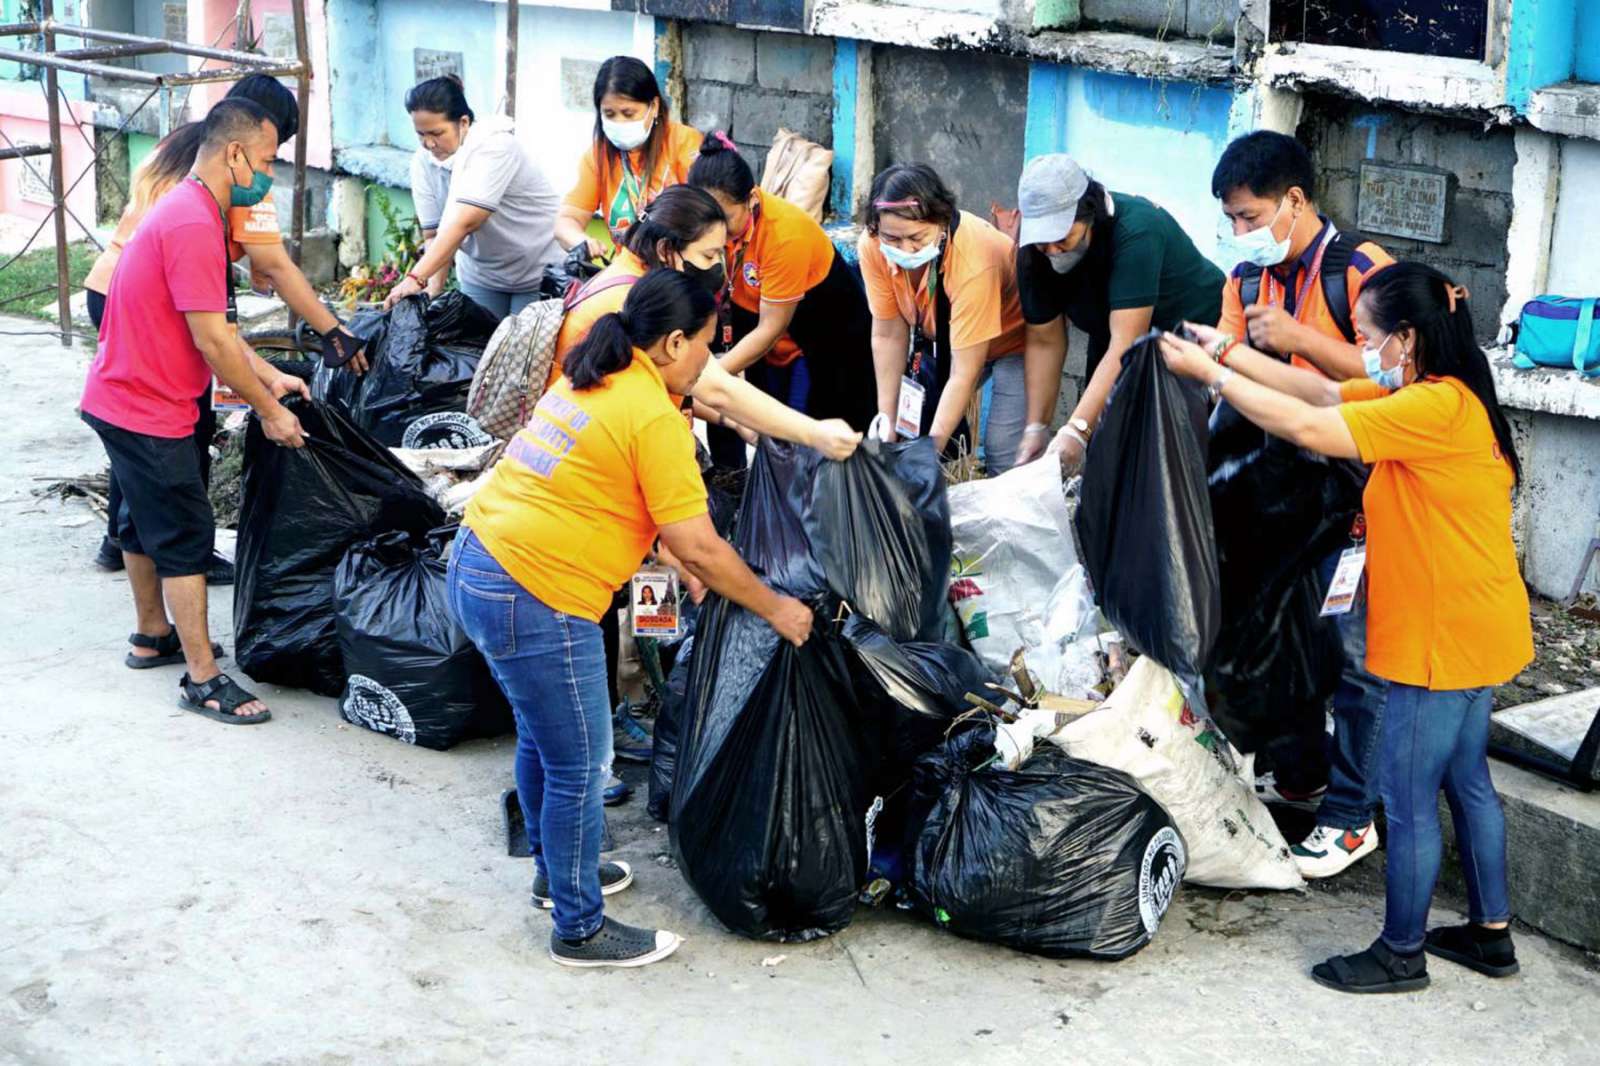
1111,264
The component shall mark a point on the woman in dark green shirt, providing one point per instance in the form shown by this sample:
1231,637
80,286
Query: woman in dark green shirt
1113,265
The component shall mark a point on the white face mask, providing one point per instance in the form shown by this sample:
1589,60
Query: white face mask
910,260
1259,246
1063,262
626,136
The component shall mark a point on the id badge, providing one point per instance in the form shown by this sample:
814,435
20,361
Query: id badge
908,416
653,604
1346,582
224,400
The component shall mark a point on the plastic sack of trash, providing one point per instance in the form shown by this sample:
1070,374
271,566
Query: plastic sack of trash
302,509
1059,857
879,524
1147,730
1016,583
413,674
664,734
769,794
1277,660
1144,516
420,366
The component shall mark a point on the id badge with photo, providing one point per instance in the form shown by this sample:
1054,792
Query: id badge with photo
1346,582
224,400
653,604
908,415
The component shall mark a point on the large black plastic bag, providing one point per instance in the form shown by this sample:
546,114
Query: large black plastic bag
1144,516
880,527
302,509
1058,857
1278,510
769,795
664,734
413,674
420,362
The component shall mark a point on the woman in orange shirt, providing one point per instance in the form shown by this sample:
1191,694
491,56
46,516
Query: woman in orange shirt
918,252
1447,612
604,467
637,151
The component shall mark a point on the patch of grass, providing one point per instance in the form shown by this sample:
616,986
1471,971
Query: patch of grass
37,270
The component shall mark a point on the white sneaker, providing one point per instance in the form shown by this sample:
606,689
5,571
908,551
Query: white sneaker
1329,850
1269,791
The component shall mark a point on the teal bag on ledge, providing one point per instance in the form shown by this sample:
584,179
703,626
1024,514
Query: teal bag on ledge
1558,332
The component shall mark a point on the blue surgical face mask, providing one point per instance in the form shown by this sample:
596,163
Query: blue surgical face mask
1390,378
1259,247
252,194
910,260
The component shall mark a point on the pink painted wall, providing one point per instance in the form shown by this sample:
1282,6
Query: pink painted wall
210,18
24,118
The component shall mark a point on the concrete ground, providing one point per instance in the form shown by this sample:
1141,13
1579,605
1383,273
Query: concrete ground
177,891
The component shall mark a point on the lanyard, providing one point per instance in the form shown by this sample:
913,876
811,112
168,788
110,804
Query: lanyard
227,271
1311,278
930,286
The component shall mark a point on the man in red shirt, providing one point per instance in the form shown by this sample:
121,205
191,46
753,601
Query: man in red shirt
168,327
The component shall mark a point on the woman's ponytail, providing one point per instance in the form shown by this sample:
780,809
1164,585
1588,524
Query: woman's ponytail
661,302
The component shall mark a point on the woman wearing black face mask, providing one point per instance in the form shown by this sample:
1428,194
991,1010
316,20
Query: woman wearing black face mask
1113,265
798,326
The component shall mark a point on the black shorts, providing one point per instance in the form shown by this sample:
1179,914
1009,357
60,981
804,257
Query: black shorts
165,511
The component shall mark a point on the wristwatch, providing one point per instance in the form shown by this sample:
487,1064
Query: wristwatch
1081,425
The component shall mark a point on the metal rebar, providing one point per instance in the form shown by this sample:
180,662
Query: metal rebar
26,295
115,51
57,183
302,51
97,70
512,20
200,77
18,151
244,59
18,29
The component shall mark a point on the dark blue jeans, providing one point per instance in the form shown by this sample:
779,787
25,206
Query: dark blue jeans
1432,739
1352,797
552,669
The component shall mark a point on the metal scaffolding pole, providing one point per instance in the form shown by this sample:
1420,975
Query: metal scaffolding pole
58,184
122,46
513,18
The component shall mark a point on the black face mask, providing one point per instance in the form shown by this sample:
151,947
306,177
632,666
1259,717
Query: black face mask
711,278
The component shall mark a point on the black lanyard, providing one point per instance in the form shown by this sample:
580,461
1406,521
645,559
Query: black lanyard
227,259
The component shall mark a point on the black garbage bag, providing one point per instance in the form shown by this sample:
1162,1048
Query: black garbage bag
302,509
769,795
1278,511
413,674
1059,857
339,387
1144,516
664,734
879,524
420,363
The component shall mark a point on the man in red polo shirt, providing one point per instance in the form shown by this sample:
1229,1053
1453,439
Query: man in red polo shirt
168,328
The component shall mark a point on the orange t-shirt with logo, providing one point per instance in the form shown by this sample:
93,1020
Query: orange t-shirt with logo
1447,608
600,176
573,507
1367,259
786,256
596,297
978,268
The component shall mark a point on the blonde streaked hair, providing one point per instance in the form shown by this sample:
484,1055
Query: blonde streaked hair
164,167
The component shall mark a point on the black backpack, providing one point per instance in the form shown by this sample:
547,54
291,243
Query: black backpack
1335,283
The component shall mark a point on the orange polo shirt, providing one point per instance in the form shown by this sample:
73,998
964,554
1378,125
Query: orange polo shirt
600,176
786,256
588,309
1366,260
582,491
1447,608
978,269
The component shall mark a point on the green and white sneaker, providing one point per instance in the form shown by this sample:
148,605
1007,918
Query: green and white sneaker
1329,850
614,877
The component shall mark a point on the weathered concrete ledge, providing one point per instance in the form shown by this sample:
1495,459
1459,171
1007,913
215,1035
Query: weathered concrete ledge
381,163
1119,53
1550,392
1572,109
1424,83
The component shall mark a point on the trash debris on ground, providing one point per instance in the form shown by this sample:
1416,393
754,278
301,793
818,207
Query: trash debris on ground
1147,730
413,674
302,509
421,357
1057,857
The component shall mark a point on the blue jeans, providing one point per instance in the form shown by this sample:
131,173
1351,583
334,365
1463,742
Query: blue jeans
789,385
496,301
1432,739
1352,797
552,669
1006,414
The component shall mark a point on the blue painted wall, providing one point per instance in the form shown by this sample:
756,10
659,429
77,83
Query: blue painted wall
846,87
1158,140
1586,66
1541,46
473,29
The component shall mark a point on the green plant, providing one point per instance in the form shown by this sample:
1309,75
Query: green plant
402,236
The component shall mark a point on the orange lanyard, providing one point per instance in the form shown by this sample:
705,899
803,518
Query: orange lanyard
1312,275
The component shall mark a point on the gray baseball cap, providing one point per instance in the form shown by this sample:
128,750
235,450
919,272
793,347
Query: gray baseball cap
1048,195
